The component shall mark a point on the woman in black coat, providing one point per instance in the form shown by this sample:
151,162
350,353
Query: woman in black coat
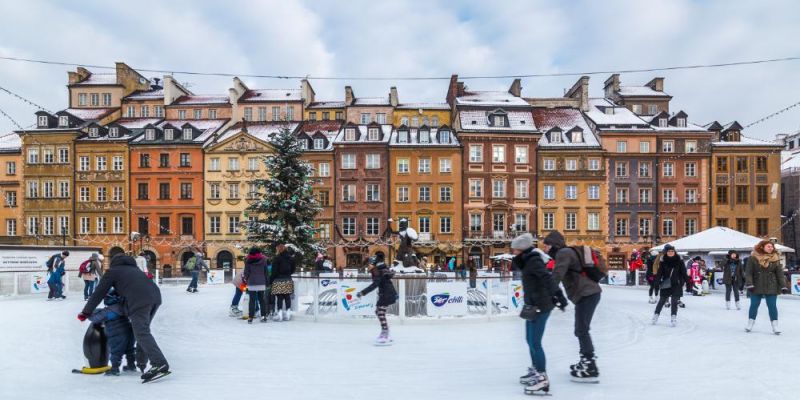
387,295
732,277
255,277
283,267
671,278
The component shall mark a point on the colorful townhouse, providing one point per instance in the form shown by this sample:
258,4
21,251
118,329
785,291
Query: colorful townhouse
10,188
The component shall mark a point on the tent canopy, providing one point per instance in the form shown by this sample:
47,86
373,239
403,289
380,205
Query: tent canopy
718,239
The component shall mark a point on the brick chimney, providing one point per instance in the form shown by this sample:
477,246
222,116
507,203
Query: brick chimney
394,99
306,92
452,90
516,88
349,97
656,84
580,91
611,86
79,75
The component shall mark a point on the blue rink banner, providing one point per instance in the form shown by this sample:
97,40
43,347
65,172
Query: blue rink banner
350,303
447,299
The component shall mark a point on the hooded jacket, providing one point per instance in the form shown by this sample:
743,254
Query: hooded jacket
728,276
282,267
130,283
673,270
382,280
567,269
537,283
255,270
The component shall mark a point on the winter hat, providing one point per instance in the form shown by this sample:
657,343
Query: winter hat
95,257
668,247
556,239
253,251
522,242
697,258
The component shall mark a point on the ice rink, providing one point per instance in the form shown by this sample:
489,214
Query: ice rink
212,356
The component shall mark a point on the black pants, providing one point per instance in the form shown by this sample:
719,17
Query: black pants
584,311
653,288
733,287
257,295
146,346
120,341
283,302
666,294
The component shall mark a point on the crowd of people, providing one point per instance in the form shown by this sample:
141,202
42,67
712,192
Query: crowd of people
268,284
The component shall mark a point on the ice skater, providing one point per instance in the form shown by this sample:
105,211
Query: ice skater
670,279
653,262
283,266
119,333
255,277
764,279
732,277
387,295
55,267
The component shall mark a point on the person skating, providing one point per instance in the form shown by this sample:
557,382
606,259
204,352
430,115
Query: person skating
764,279
696,279
238,284
584,293
670,278
283,267
55,268
194,265
118,331
88,272
255,277
653,262
142,299
542,293
387,295
732,277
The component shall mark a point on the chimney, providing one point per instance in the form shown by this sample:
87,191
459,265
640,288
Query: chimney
611,86
349,97
156,82
516,88
580,91
79,75
393,98
306,92
656,84
452,90
172,90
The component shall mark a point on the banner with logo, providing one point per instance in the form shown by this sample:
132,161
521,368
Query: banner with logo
617,277
328,281
350,304
795,282
498,287
515,296
350,273
446,299
718,280
215,277
39,282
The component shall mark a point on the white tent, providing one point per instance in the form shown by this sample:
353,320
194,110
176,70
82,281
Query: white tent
718,240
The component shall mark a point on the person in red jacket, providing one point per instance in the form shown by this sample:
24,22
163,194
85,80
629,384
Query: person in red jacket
696,277
634,265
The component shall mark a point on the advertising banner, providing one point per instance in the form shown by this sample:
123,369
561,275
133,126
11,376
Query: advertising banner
718,280
350,272
515,296
795,284
215,277
350,303
328,281
39,282
447,299
617,277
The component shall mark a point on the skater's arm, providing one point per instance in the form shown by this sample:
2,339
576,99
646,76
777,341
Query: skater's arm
748,272
563,260
374,285
99,292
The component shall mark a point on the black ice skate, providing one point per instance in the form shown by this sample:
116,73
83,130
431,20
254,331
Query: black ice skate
585,371
155,373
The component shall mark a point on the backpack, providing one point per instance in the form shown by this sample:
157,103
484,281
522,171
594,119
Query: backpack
593,265
190,263
84,268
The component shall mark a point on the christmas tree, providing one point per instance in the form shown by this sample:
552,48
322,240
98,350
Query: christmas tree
285,206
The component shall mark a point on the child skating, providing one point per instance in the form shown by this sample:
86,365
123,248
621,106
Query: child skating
119,333
387,295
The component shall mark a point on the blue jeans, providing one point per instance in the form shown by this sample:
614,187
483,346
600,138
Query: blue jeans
193,283
237,297
534,330
755,302
88,289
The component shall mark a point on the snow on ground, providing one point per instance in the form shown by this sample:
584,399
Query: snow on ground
708,355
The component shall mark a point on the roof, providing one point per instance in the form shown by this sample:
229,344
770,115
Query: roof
620,116
207,127
259,95
90,114
187,100
326,104
386,129
565,119
745,141
133,127
718,239
372,101
414,134
135,123
478,120
323,126
154,94
261,130
427,106
10,143
640,91
98,80
497,98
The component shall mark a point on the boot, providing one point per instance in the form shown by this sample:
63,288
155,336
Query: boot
586,370
235,312
655,319
264,318
113,371
673,321
278,316
775,329
529,378
727,305
542,385
750,324
652,299
287,315
738,307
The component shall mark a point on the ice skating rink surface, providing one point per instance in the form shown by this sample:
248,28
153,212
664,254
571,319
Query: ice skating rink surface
212,356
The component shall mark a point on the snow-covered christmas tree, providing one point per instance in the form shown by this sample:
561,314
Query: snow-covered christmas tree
285,206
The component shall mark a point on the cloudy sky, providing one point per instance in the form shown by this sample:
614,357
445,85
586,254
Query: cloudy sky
419,38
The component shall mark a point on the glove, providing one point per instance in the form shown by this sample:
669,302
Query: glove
784,290
359,295
82,317
560,301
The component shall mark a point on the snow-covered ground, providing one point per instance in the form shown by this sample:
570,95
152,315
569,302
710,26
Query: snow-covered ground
708,355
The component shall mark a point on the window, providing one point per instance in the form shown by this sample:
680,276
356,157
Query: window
100,163
593,192
652,109
445,194
498,188
212,114
84,225
636,108
159,110
186,190
444,137
233,224
373,161
723,222
594,164
187,134
319,143
373,226
415,121
475,153
233,163
681,122
63,155
150,134
475,222
571,192
83,163
722,195
621,169
570,221
373,134
644,147
312,116
445,165
445,225
349,226
622,195
741,164
668,195
498,120
11,199
593,221
742,224
668,169
47,189
33,226
761,194
402,194
476,188
248,113
95,99
365,118
668,227
549,192
144,160
402,137
691,146
668,146
690,169
169,134
143,191
622,146
498,153
762,227
324,169
521,154
520,222
11,227
424,224
33,156
621,226
144,225
33,189
11,168
116,163
214,224
572,164
348,161
498,224
425,194
424,165
662,122
742,194
690,226
252,192
117,194
424,136
187,226
47,155
521,188
435,121
691,195
645,227
233,191
761,164
163,190
102,194
113,132
644,169
186,160
324,231
145,111
373,192
197,113
349,193
339,115
81,99
101,224
402,165
548,221
381,118
549,164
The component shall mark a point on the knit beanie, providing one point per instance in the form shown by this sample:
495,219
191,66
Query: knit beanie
522,242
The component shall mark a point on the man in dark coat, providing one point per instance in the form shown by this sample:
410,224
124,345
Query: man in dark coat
142,299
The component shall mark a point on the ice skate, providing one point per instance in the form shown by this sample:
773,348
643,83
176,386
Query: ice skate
655,319
383,339
540,387
250,321
129,368
113,371
738,307
775,329
155,373
652,300
287,315
673,322
278,317
264,319
235,312
750,324
727,305
530,378
585,371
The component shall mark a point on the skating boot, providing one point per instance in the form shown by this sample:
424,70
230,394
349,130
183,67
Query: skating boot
155,373
652,300
250,321
383,339
586,371
750,324
530,378
655,319
235,312
129,368
264,319
775,329
278,316
673,322
738,307
727,305
113,371
540,387
287,315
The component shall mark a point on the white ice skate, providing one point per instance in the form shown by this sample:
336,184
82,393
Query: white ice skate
383,339
727,305
775,329
540,387
655,319
278,316
652,300
750,324
738,307
287,315
235,312
673,322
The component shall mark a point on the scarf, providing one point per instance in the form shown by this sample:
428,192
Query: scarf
764,259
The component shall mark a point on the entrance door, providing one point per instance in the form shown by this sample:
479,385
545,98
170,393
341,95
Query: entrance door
355,260
476,257
225,259
151,261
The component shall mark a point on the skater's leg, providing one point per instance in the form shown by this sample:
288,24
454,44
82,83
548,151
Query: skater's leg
755,302
728,289
86,285
251,310
380,312
734,284
193,283
772,306
140,321
262,302
584,311
237,297
674,305
288,301
661,301
535,332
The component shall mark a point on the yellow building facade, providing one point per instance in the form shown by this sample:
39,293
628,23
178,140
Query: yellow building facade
10,189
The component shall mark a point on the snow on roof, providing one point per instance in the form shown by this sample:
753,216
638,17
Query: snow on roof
10,143
135,123
718,239
565,119
497,98
207,126
427,106
99,79
258,95
261,130
519,121
413,135
153,94
603,113
89,114
321,126
745,141
640,91
790,161
202,99
372,101
363,131
326,104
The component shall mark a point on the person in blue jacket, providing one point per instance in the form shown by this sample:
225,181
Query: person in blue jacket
118,331
55,267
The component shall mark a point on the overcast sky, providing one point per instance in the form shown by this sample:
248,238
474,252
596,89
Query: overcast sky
419,38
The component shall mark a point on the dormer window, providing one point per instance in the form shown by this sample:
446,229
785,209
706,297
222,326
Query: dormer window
372,135
304,144
63,121
150,134
187,133
93,132
319,143
681,122
169,134
498,120
555,137
113,132
425,136
609,110
577,137
42,122
402,137
444,137
662,122
350,135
